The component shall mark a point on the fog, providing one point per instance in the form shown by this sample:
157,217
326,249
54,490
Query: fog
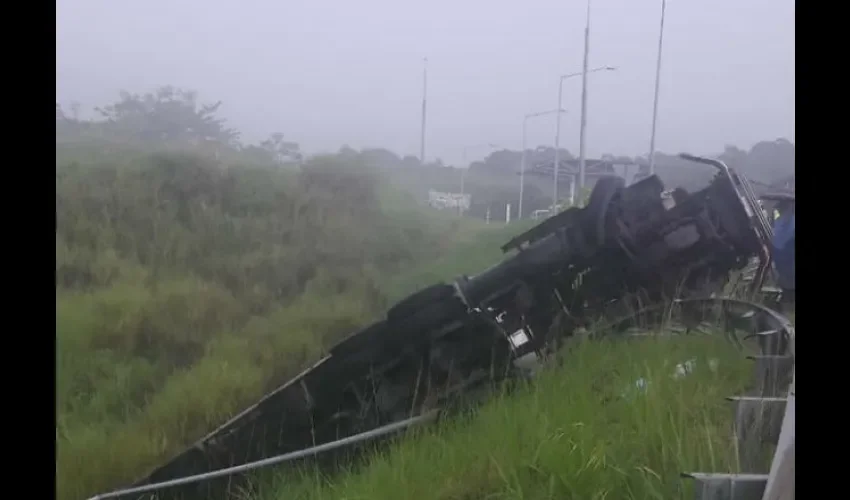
328,73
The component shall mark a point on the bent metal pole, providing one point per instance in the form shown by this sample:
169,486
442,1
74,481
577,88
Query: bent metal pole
365,436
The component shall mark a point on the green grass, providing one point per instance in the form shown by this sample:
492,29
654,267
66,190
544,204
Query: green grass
185,291
583,430
127,414
470,253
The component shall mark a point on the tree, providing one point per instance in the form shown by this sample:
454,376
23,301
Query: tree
499,162
734,157
282,151
508,162
410,161
769,161
347,151
379,158
167,115
257,154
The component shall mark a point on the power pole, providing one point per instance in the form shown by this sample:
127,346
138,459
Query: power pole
424,110
557,161
657,85
583,129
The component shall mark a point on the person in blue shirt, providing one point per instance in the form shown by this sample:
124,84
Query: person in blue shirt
783,249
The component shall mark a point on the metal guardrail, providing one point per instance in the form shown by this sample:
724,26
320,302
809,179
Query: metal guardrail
765,416
780,482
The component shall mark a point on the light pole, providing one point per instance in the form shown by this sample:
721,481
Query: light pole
657,84
522,164
465,168
424,109
581,151
558,132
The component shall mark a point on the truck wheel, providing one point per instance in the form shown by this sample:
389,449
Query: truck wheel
597,207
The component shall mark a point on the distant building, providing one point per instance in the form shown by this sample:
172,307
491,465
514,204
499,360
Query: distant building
441,200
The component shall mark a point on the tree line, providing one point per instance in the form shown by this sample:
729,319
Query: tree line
174,116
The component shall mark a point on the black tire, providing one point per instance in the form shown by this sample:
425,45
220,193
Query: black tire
419,300
597,207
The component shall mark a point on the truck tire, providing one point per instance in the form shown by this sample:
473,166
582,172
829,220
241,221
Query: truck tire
597,207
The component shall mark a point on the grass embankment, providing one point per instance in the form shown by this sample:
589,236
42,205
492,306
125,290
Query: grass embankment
583,430
185,291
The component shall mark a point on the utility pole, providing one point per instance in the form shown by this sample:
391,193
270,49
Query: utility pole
522,161
583,130
557,160
657,85
558,133
424,110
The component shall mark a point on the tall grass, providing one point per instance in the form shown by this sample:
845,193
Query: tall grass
612,422
185,290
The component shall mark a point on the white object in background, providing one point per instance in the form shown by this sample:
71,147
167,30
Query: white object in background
640,386
682,369
508,213
685,368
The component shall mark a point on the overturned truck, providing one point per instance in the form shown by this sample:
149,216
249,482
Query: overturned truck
627,247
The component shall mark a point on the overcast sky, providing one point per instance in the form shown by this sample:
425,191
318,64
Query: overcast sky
334,72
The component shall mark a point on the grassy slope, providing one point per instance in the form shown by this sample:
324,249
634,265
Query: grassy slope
185,291
158,341
582,431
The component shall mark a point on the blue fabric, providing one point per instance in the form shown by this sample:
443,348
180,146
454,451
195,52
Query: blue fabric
783,249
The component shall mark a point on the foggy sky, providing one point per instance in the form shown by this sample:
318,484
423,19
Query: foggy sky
334,72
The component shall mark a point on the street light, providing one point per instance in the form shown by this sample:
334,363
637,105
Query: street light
558,134
583,126
522,165
657,82
424,110
465,168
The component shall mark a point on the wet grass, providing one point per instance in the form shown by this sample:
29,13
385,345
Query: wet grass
185,292
612,421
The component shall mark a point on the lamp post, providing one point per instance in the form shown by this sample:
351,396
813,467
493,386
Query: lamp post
558,133
657,84
522,164
424,110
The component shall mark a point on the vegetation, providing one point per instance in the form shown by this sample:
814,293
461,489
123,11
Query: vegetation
194,273
614,421
185,291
